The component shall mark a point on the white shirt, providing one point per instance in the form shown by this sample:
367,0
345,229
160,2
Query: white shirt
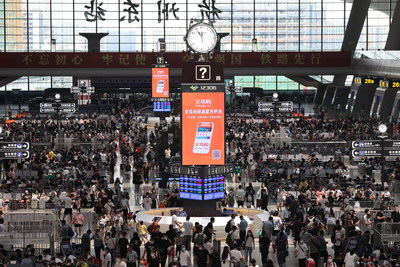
184,258
302,251
174,220
236,255
67,203
120,263
240,195
147,203
350,260
188,226
107,260
277,222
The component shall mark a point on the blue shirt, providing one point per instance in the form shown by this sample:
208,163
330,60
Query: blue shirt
243,225
268,226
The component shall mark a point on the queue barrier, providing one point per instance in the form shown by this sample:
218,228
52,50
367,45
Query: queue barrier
386,233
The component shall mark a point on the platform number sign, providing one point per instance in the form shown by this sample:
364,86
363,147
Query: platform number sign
203,73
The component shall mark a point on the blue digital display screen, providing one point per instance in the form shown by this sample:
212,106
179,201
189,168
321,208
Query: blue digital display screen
161,106
202,188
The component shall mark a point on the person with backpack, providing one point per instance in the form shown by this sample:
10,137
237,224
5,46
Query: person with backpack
230,223
249,196
231,238
198,240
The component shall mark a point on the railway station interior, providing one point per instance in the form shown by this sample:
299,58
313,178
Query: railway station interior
179,133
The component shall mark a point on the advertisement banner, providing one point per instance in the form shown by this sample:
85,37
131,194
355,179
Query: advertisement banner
203,128
160,82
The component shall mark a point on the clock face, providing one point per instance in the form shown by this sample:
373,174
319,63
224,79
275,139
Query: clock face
382,128
201,38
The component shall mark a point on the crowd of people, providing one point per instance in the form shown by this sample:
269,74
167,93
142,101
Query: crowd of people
309,200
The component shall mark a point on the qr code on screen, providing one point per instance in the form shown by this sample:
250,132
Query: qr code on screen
216,154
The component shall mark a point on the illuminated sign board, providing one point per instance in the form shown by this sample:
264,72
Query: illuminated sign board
203,126
197,188
191,188
162,106
160,82
358,80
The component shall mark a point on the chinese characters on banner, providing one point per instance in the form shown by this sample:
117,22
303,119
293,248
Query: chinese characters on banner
95,10
203,128
175,60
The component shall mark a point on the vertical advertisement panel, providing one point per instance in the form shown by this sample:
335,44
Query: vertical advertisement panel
160,82
203,127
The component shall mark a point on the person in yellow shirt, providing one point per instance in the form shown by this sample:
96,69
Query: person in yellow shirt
303,184
51,155
142,230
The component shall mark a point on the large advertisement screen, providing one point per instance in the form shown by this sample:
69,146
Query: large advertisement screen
160,82
203,128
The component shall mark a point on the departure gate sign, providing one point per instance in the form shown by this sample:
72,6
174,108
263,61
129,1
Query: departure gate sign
160,82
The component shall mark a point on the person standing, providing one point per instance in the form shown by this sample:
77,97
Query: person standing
98,243
264,242
302,252
131,257
315,246
242,229
240,194
184,257
209,229
249,244
188,228
123,245
281,244
85,241
107,260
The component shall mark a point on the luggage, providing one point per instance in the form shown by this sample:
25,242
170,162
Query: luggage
217,245
34,204
310,262
258,203
97,262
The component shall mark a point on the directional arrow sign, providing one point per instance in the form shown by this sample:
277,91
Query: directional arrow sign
273,109
287,104
366,153
14,155
67,110
46,105
14,145
368,144
67,105
265,104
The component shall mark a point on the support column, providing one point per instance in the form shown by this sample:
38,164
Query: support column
393,40
93,40
359,12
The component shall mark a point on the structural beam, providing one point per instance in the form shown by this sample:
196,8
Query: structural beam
359,12
393,40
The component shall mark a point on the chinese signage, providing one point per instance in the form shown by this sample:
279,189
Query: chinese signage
57,107
160,82
14,150
203,114
145,60
373,148
131,11
203,128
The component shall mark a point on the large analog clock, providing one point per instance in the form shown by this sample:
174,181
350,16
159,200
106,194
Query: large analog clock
201,38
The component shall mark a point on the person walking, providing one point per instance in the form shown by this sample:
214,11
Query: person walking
301,252
281,246
249,244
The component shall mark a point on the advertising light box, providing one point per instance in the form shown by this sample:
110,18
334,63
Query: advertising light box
160,82
203,128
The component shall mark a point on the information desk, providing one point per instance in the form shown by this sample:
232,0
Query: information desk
254,217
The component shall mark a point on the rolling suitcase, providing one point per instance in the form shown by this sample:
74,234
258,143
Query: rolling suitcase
258,203
310,262
217,245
